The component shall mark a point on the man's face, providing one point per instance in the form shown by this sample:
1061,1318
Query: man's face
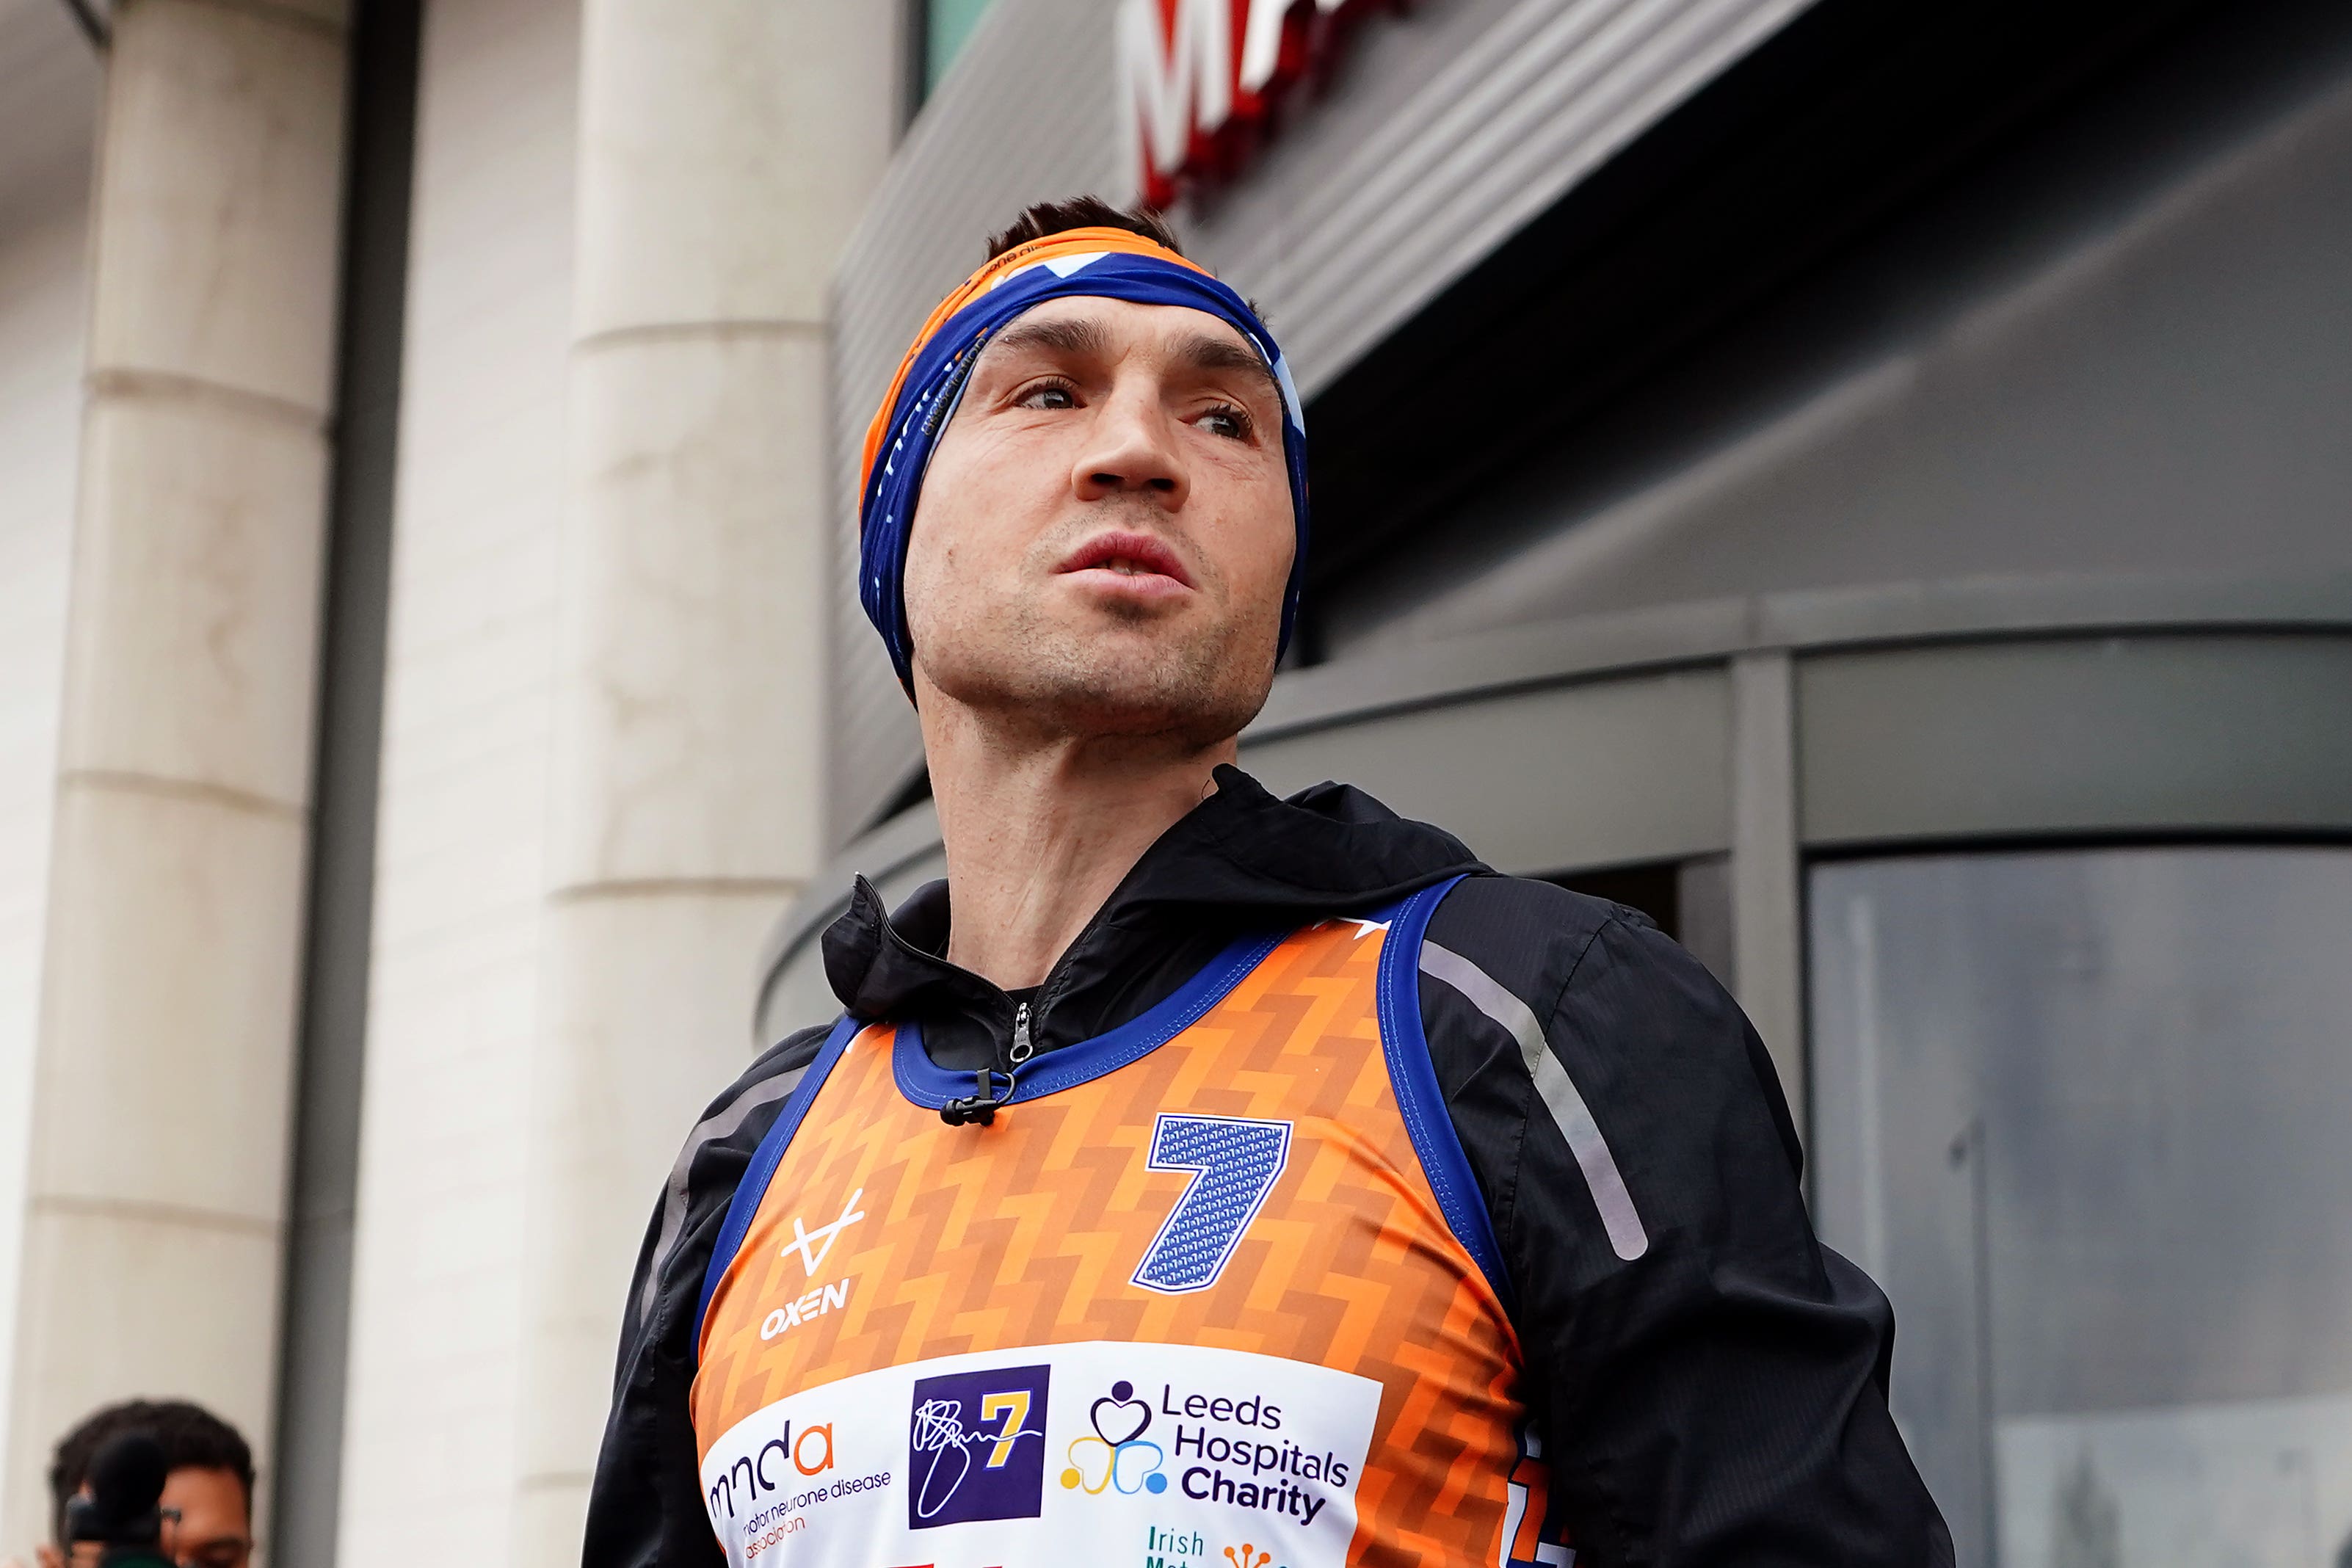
1105,530
214,1528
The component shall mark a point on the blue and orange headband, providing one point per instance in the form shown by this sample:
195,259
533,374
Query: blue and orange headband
1103,263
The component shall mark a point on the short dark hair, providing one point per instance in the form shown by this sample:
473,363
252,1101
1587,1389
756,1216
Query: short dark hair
1082,212
192,1437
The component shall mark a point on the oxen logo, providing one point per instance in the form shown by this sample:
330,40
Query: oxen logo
1116,1455
812,1244
968,1453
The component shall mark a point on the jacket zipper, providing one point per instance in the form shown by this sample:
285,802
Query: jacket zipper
1049,989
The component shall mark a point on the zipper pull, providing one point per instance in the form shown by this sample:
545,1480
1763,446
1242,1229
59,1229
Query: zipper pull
1021,1049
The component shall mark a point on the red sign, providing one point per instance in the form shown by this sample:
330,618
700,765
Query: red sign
1201,79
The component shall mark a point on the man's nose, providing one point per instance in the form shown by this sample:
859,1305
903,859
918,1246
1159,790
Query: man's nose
1131,449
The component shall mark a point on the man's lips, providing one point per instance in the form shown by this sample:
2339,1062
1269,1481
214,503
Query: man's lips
1127,554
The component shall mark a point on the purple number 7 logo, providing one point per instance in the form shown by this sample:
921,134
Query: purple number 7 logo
1235,1162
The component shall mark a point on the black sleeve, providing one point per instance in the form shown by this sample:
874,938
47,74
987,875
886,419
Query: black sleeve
645,1507
1720,1396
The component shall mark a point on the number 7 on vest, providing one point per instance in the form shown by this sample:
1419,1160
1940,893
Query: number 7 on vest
1235,1162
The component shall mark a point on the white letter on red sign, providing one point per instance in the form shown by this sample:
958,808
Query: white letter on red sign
1185,84
1262,44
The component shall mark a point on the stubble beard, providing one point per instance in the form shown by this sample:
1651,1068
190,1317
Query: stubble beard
1186,688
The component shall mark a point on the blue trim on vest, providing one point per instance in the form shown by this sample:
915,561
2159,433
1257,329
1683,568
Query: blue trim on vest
928,1084
752,1189
1419,1099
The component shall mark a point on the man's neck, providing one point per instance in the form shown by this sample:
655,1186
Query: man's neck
1040,830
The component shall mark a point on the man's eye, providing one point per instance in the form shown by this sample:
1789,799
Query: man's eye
1227,421
1049,394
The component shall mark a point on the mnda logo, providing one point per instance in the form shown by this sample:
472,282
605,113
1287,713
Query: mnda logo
752,1475
968,1451
1114,1455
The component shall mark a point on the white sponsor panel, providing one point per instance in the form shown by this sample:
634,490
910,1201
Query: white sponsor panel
1149,1455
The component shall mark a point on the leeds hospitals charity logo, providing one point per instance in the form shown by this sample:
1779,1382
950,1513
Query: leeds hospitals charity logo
976,1446
1116,1455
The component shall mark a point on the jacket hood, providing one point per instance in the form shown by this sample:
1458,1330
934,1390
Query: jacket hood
1240,861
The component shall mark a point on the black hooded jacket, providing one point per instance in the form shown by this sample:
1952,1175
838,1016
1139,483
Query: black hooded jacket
1720,1399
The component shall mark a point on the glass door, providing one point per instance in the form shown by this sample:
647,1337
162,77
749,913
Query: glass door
2087,1117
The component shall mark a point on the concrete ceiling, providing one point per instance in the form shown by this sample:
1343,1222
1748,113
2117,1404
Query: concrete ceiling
48,108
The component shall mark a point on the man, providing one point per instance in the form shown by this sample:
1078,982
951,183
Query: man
1197,1178
207,1501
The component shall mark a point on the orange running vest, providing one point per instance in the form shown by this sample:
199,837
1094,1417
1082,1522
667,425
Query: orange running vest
1215,1289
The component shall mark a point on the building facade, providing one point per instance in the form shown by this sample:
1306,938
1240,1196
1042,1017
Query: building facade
1865,485
1869,489
426,400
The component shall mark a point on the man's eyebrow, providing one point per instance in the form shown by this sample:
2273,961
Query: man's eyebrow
1081,335
1202,352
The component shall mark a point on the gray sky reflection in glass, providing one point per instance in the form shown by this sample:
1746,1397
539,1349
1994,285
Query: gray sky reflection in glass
2088,1115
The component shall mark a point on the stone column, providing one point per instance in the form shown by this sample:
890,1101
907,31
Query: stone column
727,149
157,1176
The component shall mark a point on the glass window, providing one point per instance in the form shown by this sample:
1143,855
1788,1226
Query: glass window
2088,1115
946,25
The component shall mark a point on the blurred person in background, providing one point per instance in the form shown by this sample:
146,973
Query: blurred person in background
207,1501
1154,1205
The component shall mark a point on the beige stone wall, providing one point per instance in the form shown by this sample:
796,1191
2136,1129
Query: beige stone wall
42,277
171,929
438,1333
602,752
726,152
